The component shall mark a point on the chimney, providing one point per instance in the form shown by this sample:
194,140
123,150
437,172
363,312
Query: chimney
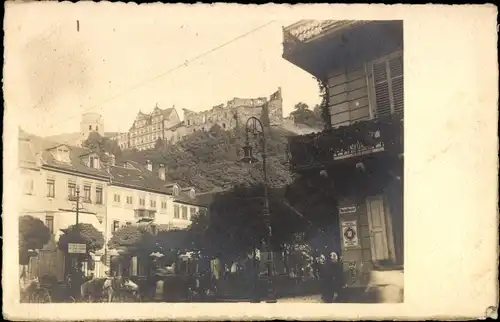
161,172
149,165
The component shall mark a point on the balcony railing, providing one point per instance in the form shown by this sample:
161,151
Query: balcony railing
317,150
145,214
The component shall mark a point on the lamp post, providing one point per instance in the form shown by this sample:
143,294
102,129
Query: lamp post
249,158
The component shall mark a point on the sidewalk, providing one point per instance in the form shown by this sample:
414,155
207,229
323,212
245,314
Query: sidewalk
301,299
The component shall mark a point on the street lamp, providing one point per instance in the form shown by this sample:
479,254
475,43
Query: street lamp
251,126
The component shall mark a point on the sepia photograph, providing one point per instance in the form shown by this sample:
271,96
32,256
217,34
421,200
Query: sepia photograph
170,159
248,200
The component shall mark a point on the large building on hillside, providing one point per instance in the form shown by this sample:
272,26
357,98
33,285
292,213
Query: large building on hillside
111,196
166,124
235,113
147,129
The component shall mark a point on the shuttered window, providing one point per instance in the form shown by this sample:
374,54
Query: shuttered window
388,81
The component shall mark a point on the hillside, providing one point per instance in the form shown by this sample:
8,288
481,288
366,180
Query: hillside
210,160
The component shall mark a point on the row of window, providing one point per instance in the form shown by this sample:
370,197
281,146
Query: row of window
142,201
184,210
86,194
153,128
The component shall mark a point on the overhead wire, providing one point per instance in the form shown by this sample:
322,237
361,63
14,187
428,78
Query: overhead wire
184,64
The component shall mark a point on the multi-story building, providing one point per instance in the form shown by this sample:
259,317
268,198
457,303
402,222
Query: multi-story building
139,194
111,196
122,139
166,125
360,151
148,128
51,173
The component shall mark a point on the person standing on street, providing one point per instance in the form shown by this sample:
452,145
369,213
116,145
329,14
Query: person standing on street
337,275
326,277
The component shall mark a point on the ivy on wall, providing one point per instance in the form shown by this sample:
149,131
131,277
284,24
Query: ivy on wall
325,110
319,149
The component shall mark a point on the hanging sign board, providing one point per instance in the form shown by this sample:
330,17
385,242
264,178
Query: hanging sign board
350,233
347,210
77,248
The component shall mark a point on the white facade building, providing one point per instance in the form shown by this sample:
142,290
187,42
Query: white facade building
111,196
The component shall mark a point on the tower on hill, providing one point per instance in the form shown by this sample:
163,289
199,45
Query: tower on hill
90,122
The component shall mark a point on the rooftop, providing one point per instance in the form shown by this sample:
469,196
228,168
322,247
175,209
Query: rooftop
31,145
138,177
306,30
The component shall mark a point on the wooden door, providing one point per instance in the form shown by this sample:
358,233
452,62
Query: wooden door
378,232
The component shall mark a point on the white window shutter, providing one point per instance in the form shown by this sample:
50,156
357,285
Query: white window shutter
397,83
388,80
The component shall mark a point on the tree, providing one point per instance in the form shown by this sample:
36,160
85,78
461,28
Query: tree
235,224
303,115
102,146
172,243
33,235
319,210
159,144
209,160
82,233
133,239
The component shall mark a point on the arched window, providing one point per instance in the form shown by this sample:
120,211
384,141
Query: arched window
175,190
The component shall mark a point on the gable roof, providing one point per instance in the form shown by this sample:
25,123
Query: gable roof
138,178
77,163
31,145
201,200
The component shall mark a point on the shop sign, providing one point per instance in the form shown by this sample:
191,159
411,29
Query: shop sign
77,248
350,233
347,210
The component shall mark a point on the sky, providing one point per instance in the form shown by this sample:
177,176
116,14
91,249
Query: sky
125,59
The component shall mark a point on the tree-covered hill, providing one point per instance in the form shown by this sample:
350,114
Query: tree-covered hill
211,160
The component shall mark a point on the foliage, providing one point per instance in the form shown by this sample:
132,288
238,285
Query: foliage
102,145
324,106
319,210
209,160
134,239
33,235
159,143
303,115
172,243
82,233
140,240
236,223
